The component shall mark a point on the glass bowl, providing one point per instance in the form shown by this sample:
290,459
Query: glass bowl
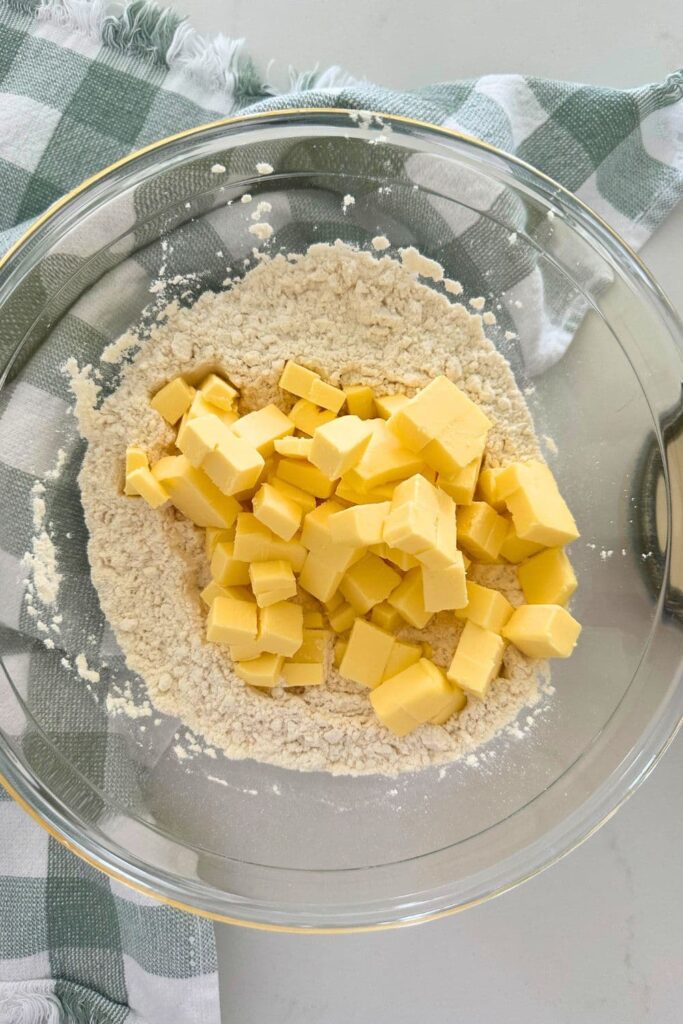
255,844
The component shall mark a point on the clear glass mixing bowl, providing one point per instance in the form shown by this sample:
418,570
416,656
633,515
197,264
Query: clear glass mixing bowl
259,845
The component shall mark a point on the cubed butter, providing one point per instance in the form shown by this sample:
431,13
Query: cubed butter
445,550
547,578
173,400
342,618
201,435
543,631
308,667
462,484
387,405
440,411
234,465
359,496
136,458
515,550
339,649
368,582
296,673
201,407
225,569
268,578
306,477
453,449
212,537
281,628
360,401
294,447
318,577
366,654
384,460
410,528
264,670
339,445
360,525
307,417
218,392
401,559
538,510
297,379
254,542
453,705
420,692
445,589
211,591
279,513
481,531
143,483
402,656
307,501
262,428
408,600
231,621
485,607
477,659
487,488
313,619
193,494
386,617
326,396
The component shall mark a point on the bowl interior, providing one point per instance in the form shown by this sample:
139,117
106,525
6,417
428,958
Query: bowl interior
278,846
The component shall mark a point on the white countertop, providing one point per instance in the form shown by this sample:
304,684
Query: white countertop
597,939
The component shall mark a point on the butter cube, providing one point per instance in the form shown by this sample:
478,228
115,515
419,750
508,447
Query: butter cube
193,494
444,589
339,650
294,447
173,400
305,476
485,607
262,428
143,483
408,600
254,542
402,656
270,579
201,435
318,577
360,401
515,550
387,405
401,559
317,532
368,582
547,578
231,621
313,619
384,460
366,654
201,407
338,445
218,392
359,526
279,513
386,617
420,691
481,531
455,703
454,449
308,667
297,379
334,602
391,714
342,618
304,674
410,528
445,551
543,631
265,670
477,659
212,537
225,569
431,414
326,395
307,417
359,496
246,651
281,628
461,485
136,458
538,510
307,501
211,591
487,489
234,465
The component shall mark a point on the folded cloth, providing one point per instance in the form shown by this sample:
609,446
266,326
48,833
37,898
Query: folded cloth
81,87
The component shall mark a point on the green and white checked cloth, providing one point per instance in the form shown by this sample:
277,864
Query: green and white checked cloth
79,88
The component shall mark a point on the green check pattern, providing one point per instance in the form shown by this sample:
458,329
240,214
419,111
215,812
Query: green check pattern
80,88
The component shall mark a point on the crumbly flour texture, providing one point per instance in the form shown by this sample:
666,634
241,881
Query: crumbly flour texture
357,318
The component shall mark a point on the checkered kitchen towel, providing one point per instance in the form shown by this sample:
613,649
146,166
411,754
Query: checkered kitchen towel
81,87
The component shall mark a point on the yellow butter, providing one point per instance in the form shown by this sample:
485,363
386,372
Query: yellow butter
231,621
339,649
279,513
307,501
339,445
485,607
368,582
408,600
420,692
281,628
359,526
461,485
515,550
410,527
308,667
334,602
452,706
297,379
233,465
218,392
200,435
402,656
318,577
262,428
538,510
386,617
213,535
136,458
201,407
360,401
477,659
543,631
401,559
316,536
444,589
366,654
254,542
225,568
444,552
481,531
211,591
360,496
245,651
307,417
193,494
270,580
143,483
264,670
440,411
303,674
454,449
487,488
173,400
326,396
342,618
384,460
305,476
294,447
387,405
313,619
392,715
547,578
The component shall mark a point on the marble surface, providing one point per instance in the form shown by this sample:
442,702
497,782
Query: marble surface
598,938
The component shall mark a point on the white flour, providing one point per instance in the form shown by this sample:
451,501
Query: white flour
357,319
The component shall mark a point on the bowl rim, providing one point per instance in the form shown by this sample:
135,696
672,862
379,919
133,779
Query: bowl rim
20,788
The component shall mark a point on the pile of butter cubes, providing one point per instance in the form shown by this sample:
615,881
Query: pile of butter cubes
357,515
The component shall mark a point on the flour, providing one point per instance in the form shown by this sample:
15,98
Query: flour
380,242
261,230
263,168
41,561
357,319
